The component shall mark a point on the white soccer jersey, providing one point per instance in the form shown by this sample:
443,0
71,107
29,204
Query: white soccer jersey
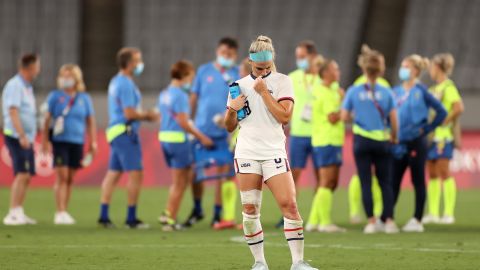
261,136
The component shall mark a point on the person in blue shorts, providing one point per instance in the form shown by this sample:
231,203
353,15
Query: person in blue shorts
208,98
71,116
175,110
20,127
125,114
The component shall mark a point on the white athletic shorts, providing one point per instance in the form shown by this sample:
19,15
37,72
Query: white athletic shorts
265,168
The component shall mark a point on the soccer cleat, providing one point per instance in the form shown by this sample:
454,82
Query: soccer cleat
137,224
331,228
224,224
259,266
311,227
106,223
447,220
63,218
429,219
391,228
193,218
13,219
172,227
413,225
29,220
355,219
302,265
370,228
165,218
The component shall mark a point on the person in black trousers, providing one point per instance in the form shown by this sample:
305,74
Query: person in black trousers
413,103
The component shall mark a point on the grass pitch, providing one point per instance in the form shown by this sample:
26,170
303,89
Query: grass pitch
85,246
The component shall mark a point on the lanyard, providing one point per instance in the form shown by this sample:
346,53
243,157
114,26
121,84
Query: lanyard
226,77
69,106
308,85
403,98
374,100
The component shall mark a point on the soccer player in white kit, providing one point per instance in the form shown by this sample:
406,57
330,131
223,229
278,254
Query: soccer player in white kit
260,154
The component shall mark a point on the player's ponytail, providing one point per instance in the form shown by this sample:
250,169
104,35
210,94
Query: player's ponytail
419,63
263,43
372,62
445,62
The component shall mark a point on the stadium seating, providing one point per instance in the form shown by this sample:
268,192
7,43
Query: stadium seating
48,27
433,26
165,36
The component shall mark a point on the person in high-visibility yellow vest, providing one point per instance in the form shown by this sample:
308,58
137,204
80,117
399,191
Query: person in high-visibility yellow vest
177,149
125,114
443,143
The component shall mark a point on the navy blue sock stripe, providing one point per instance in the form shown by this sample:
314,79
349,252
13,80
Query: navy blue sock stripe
251,244
295,239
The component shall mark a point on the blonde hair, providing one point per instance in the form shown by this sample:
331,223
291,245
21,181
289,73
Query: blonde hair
445,62
419,63
371,61
263,43
318,61
77,75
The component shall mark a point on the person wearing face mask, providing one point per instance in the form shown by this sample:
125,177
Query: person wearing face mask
173,106
263,106
71,114
413,102
328,135
20,127
371,107
125,115
207,101
445,138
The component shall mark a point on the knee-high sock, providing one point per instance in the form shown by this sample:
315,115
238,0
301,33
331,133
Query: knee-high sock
434,193
314,217
377,197
254,236
355,196
293,230
449,196
229,200
325,205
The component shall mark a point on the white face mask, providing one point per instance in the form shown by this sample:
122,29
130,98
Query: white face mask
65,83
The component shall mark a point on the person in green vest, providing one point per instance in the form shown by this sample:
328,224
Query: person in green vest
354,187
328,136
441,148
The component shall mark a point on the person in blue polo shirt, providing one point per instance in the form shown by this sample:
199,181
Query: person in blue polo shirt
208,98
125,114
20,127
413,102
374,124
71,116
175,110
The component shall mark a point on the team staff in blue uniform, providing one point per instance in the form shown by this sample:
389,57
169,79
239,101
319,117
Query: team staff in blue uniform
413,103
125,114
207,100
20,127
71,114
175,110
373,110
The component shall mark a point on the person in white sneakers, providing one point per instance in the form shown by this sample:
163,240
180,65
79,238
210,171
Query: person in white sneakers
20,127
263,105
71,114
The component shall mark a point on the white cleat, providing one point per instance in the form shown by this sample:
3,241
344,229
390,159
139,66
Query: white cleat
302,265
331,228
259,266
14,219
355,219
429,219
311,227
371,228
413,225
448,220
63,218
29,220
391,228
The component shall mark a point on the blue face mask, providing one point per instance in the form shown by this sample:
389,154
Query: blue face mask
138,69
303,64
225,62
404,74
186,87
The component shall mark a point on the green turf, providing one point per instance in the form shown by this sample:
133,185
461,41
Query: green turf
85,246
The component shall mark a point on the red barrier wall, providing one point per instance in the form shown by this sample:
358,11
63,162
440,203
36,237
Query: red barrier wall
466,164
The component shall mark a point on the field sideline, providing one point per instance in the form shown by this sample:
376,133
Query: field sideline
85,246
